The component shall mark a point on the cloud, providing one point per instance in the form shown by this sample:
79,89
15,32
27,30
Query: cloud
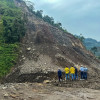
78,16
50,1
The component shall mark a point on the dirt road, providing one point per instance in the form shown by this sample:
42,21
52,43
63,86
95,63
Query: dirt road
42,91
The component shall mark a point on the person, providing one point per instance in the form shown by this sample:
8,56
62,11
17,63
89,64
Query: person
59,74
82,72
72,71
76,74
67,72
85,73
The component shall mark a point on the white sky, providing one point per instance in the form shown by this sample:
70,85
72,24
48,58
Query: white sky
77,16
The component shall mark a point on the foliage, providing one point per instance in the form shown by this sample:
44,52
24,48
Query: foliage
8,57
13,24
12,29
80,37
30,5
39,13
94,49
48,19
98,57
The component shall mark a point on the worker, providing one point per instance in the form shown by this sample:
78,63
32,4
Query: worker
76,73
72,72
59,74
67,72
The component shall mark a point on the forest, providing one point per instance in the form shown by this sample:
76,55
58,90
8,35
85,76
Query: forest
12,29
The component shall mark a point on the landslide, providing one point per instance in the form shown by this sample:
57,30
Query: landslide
46,48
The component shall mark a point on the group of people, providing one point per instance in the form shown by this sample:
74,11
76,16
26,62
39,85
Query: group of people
73,71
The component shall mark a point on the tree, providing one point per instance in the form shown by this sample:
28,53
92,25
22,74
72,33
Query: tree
14,30
81,38
30,5
94,49
58,24
39,13
48,19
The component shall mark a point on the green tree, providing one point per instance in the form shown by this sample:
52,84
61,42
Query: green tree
81,38
94,49
48,19
99,57
14,31
30,5
58,24
39,13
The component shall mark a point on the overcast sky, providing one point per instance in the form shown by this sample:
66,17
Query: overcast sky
77,16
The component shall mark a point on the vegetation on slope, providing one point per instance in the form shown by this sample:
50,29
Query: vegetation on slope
90,44
12,29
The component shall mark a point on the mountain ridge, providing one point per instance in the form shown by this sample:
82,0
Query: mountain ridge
91,42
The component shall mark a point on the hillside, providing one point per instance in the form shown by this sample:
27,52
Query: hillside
11,31
31,52
90,43
46,48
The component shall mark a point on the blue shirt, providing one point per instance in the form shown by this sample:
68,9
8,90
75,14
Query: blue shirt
81,69
59,73
85,69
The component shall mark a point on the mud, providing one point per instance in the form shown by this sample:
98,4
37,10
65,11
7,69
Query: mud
41,91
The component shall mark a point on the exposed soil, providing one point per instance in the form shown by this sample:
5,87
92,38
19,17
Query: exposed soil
42,91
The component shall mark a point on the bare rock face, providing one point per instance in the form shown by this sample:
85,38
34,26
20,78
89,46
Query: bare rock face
45,48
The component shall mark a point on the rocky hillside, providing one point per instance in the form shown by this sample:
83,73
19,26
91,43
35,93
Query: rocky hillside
46,48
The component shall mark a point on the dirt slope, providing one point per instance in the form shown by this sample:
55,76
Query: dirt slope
45,48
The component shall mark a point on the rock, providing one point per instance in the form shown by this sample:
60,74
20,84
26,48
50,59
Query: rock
20,51
64,45
45,63
33,49
29,49
13,95
6,95
4,88
24,58
93,98
47,81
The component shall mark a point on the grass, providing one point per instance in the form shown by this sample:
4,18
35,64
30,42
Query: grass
8,57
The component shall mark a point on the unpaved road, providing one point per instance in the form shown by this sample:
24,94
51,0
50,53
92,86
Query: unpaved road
42,91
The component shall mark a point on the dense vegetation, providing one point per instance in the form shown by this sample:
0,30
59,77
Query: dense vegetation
11,31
